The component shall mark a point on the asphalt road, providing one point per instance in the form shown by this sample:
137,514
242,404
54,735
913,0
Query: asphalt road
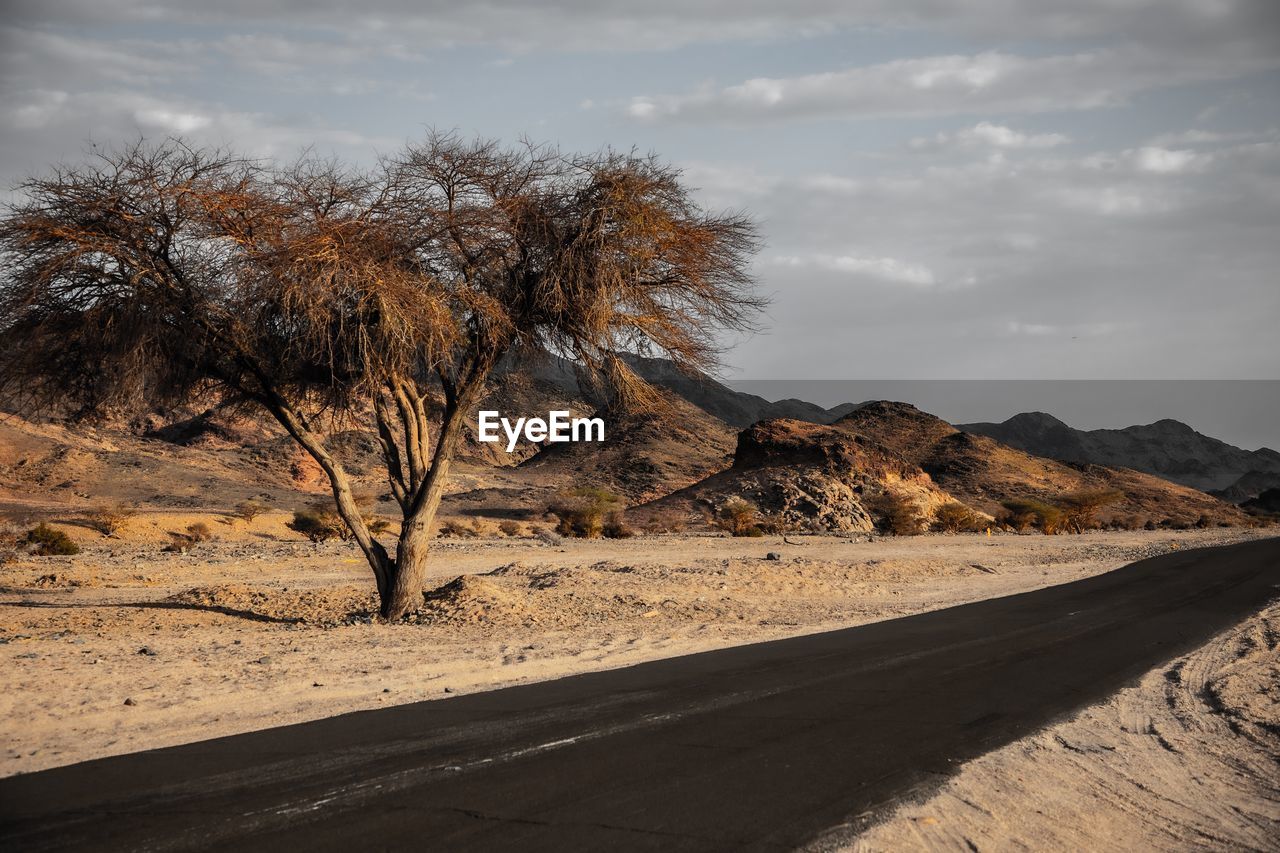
759,747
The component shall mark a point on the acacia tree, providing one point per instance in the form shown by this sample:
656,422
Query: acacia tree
322,293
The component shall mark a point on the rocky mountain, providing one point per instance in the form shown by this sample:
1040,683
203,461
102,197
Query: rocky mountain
982,471
1166,448
810,476
1267,503
736,408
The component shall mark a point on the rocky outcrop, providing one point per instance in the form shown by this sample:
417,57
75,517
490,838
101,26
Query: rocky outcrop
808,476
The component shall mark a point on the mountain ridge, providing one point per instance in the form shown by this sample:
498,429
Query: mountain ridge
1166,447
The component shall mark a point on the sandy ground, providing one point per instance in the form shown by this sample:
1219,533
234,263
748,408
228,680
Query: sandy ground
124,647
1187,759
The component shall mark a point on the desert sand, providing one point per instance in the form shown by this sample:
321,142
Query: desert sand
127,647
1186,759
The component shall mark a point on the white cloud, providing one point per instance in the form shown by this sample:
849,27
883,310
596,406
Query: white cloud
1074,330
992,81
36,109
172,121
625,25
1163,161
985,133
882,268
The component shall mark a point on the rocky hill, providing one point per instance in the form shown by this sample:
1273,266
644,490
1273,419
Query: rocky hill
809,476
1166,448
983,471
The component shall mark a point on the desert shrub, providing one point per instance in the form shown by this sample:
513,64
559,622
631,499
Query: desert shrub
581,512
507,527
547,535
666,522
199,532
895,514
1204,521
955,517
320,521
455,528
250,509
1080,509
1150,525
109,520
45,541
179,543
1026,514
738,517
8,543
480,527
615,527
776,524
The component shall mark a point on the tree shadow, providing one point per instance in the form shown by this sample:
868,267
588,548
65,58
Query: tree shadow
80,522
162,605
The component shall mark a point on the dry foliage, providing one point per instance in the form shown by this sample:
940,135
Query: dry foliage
109,520
896,515
250,509
46,541
582,513
739,517
955,517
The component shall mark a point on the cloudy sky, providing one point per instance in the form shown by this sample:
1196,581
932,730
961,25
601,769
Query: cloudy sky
966,189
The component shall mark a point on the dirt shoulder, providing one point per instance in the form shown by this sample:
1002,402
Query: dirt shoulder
125,647
1186,759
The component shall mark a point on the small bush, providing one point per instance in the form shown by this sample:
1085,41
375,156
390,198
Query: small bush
179,543
319,523
453,527
1026,514
616,528
776,524
955,517
110,520
896,515
581,513
507,527
546,535
199,532
48,542
1080,509
738,517
250,509
668,522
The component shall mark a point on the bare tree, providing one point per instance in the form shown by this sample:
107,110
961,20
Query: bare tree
320,292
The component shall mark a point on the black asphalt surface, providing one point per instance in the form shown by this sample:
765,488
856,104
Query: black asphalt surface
760,747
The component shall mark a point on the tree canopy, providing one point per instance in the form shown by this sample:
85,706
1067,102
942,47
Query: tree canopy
316,289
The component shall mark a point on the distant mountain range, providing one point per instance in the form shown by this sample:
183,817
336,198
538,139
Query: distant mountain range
735,408
824,474
1166,448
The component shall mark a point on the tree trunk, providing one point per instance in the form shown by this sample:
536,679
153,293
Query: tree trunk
410,570
411,557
